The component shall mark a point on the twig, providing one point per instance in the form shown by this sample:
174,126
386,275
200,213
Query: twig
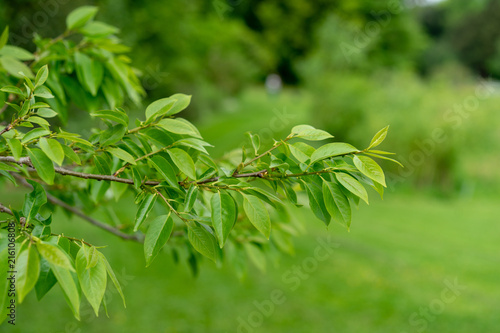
4,209
79,213
66,172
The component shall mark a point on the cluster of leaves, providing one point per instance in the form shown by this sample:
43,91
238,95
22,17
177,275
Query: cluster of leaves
183,197
43,259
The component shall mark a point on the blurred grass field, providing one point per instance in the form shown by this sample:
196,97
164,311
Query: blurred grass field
389,266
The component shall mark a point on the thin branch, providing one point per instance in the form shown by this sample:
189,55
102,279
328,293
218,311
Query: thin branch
66,172
4,209
6,129
79,213
266,152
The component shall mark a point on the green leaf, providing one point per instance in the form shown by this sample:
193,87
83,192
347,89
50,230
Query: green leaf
16,53
352,185
317,202
12,90
15,148
182,102
310,133
158,233
379,137
165,169
43,91
33,200
34,134
112,276
92,280
42,164
202,240
159,107
223,211
257,214
144,209
332,150
80,16
41,75
195,144
177,126
45,281
113,115
54,255
46,113
70,153
53,149
301,151
370,168
69,287
28,269
122,155
4,282
385,158
40,121
255,140
15,67
337,203
89,72
191,196
98,29
183,161
4,37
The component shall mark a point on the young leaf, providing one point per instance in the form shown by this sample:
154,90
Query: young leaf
80,16
158,233
41,76
54,255
159,107
332,150
351,184
223,209
257,214
177,126
379,137
122,155
34,134
113,115
337,203
202,240
370,168
310,133
28,268
92,280
183,161
70,153
53,149
43,165
144,209
182,102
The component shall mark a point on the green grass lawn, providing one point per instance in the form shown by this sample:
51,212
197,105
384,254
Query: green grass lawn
392,264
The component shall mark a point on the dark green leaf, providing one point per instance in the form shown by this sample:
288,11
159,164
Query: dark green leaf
159,231
43,165
223,211
144,209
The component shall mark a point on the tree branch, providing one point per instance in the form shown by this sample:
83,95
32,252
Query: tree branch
79,213
4,209
66,172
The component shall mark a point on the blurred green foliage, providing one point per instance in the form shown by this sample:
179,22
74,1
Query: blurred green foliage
354,65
